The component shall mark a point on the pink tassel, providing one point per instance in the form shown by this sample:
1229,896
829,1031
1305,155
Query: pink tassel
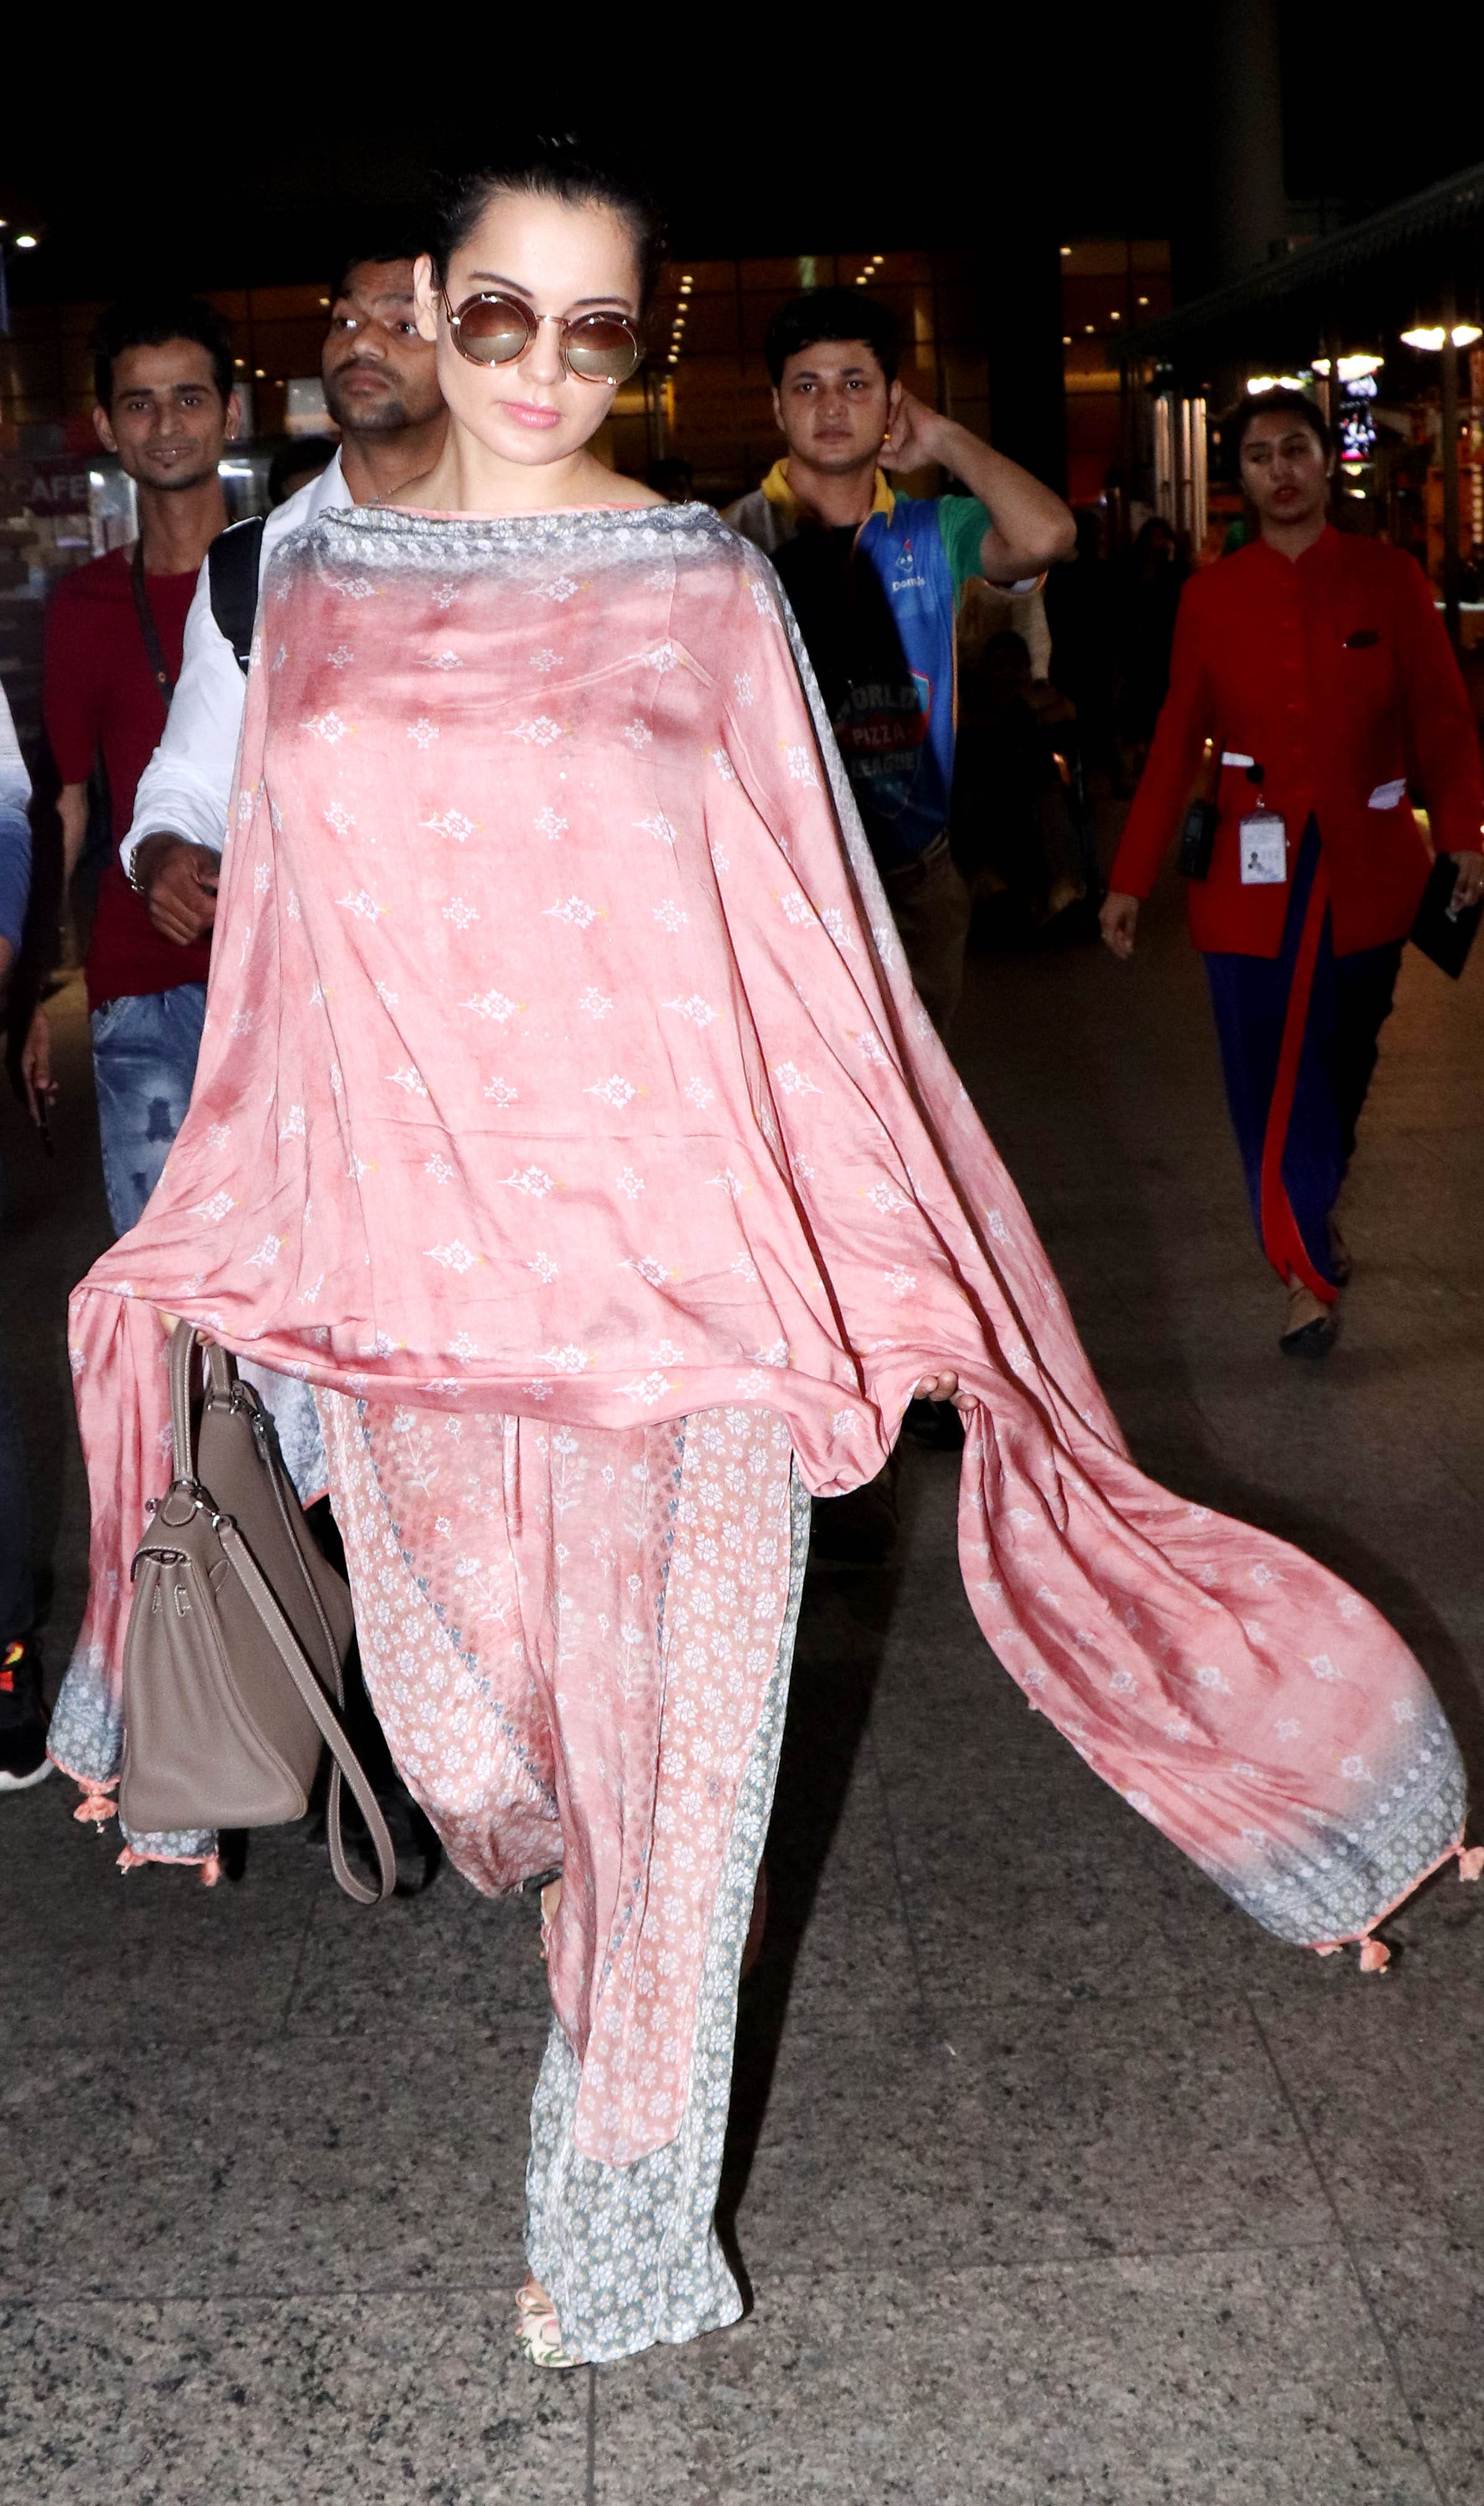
95,1805
1327,1948
1374,1955
1471,1862
210,1869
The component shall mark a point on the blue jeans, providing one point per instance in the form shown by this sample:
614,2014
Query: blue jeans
144,1050
144,1053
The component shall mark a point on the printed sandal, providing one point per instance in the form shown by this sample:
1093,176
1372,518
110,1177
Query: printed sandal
540,2333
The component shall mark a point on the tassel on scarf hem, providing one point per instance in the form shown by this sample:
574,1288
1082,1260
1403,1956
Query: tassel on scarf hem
209,1865
1375,1956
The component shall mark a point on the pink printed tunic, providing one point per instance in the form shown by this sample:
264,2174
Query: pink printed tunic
559,1061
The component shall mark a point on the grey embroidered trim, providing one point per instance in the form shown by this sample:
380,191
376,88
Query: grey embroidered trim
1413,1817
391,540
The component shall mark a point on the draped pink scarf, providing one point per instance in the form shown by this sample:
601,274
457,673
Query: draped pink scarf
560,1059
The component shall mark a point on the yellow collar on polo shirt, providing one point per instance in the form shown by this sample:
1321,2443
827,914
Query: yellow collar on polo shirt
776,489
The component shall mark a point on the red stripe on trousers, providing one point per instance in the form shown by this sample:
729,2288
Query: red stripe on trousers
1282,1241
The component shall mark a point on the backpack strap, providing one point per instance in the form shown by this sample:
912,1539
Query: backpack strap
231,571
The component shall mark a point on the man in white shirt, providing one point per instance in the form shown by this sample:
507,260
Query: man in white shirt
381,390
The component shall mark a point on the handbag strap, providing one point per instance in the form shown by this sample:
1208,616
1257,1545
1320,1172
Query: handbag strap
254,1585
154,650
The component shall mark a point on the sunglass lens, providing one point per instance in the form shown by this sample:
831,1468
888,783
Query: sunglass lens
493,330
602,348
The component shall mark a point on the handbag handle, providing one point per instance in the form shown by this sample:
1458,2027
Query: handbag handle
181,1351
258,1592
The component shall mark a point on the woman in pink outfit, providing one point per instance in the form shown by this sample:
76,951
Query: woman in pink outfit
564,1115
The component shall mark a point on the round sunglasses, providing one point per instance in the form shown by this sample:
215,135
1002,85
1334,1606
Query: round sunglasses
495,330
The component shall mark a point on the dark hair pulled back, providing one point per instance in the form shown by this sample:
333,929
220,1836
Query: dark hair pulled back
542,168
1281,401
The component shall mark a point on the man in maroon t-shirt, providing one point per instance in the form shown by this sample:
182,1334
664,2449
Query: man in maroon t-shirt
114,635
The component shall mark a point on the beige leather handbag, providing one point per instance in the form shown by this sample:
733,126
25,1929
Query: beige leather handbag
237,1636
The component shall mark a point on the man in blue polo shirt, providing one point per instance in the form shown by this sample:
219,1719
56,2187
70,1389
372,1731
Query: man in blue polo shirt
874,579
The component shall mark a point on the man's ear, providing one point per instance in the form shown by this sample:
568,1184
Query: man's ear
778,413
102,428
231,420
425,296
893,402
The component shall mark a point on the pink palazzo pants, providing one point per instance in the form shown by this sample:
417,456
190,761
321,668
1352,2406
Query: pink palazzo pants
578,1642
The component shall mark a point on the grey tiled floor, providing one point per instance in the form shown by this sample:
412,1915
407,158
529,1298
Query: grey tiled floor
1056,2182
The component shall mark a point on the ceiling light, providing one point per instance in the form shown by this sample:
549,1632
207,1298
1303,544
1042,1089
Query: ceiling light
1089,330
27,243
877,258
239,360
1274,382
260,374
1066,251
1425,335
861,281
1144,300
1066,339
1115,315
1351,369
4,223
323,299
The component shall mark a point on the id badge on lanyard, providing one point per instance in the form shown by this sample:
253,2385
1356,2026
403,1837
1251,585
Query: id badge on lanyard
1264,849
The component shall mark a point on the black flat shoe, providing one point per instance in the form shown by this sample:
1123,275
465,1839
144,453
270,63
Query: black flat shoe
1311,1339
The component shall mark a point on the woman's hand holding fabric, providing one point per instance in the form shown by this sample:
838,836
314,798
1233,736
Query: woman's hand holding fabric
944,1388
1469,886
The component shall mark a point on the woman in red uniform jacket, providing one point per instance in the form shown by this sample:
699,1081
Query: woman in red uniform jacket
1319,668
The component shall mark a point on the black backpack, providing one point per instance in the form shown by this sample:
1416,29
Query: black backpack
231,571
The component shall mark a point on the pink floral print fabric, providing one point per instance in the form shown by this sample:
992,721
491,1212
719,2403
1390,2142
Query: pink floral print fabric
559,1061
567,1633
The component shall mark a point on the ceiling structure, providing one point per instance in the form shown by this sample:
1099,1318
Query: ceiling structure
143,176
